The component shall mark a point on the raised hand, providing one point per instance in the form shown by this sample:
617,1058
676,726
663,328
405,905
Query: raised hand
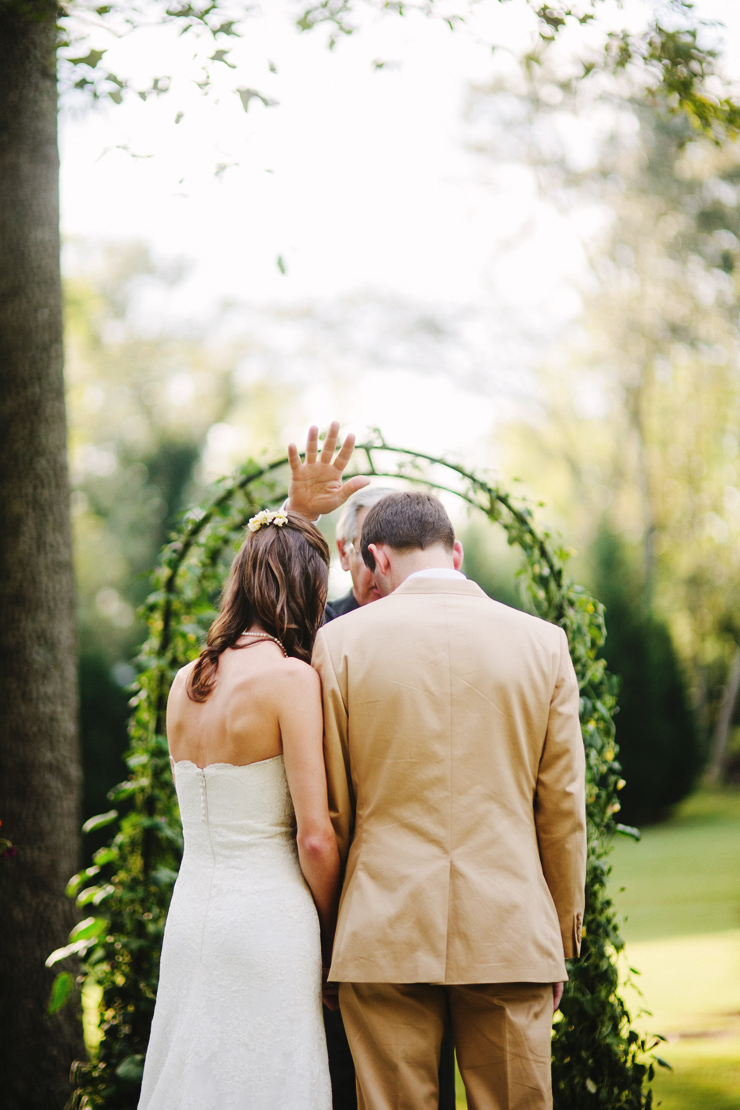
316,485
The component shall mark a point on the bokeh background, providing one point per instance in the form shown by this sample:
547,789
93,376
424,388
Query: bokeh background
489,261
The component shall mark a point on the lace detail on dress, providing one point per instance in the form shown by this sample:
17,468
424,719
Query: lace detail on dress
238,1023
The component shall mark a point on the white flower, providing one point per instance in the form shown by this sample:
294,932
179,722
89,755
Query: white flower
257,521
267,516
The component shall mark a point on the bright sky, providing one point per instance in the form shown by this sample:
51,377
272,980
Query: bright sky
364,182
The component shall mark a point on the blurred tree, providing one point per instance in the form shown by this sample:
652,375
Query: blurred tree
491,563
104,713
640,418
141,401
658,741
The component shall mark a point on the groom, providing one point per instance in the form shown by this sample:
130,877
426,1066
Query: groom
364,592
456,785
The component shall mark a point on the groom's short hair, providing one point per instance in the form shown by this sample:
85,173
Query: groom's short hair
406,521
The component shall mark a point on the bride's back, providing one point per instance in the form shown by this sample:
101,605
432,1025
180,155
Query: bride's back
238,721
226,706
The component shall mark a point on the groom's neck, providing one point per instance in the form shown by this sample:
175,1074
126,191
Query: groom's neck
406,563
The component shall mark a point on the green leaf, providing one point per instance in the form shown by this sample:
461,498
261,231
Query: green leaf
94,894
222,56
100,821
125,789
131,1069
90,927
281,264
248,95
90,59
77,948
164,876
629,830
77,880
61,989
103,856
663,1063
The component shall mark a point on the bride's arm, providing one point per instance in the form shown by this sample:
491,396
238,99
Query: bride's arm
301,726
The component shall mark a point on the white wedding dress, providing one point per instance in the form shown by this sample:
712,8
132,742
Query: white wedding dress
238,1021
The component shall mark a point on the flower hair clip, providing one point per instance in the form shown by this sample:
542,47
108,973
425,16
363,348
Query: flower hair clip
278,517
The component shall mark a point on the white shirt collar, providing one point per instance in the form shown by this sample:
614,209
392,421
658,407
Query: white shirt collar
437,572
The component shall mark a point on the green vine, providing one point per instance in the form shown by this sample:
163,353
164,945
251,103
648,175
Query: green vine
598,1059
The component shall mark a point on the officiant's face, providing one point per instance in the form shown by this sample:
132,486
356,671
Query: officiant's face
363,584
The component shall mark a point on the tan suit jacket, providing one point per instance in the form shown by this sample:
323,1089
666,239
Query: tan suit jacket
456,786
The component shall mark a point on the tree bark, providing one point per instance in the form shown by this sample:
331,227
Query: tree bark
718,754
39,757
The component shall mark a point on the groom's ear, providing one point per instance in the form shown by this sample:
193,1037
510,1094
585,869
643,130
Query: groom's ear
380,555
457,554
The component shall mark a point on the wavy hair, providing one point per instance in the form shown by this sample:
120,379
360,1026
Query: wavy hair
279,580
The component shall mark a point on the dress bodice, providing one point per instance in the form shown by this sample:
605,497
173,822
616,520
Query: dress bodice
229,812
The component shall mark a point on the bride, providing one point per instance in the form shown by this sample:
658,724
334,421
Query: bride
237,1023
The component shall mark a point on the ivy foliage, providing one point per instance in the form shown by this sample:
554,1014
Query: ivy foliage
598,1059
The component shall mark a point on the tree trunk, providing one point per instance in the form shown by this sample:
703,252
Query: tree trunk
39,758
718,754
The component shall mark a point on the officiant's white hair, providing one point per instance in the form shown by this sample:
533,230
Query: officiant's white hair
363,499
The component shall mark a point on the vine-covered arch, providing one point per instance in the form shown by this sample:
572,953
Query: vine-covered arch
598,1059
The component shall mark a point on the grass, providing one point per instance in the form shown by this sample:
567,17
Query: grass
683,877
705,1076
679,891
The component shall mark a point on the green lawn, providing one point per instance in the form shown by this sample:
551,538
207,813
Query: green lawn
679,890
681,901
683,877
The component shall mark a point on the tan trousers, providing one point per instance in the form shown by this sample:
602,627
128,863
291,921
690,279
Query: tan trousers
502,1041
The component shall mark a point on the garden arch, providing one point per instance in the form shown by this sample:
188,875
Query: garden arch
598,1059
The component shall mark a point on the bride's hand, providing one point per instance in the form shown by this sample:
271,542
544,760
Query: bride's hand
316,484
329,991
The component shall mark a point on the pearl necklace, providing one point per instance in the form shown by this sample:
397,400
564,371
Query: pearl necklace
266,636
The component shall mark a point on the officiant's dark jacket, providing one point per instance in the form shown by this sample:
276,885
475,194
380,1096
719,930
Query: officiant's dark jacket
342,605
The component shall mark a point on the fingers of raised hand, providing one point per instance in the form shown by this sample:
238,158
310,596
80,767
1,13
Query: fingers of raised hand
346,452
293,457
312,444
330,443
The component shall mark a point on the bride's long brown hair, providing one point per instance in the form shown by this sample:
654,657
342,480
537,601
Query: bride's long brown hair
278,580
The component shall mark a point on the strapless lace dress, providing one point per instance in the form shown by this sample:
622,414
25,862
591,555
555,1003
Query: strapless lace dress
238,1021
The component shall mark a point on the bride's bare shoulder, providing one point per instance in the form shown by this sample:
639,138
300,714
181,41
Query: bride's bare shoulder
184,673
297,673
179,682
